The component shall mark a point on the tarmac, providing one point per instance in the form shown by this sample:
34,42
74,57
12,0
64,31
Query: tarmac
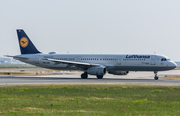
74,77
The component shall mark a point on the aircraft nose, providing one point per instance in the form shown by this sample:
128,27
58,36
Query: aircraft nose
173,65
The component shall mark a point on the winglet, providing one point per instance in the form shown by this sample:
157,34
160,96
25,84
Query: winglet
26,46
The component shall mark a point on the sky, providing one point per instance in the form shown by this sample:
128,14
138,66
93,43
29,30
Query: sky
92,26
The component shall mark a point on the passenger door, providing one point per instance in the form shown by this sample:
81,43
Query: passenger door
153,60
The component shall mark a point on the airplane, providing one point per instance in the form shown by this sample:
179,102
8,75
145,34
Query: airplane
92,64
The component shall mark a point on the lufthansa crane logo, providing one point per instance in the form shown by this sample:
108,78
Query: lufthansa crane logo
24,42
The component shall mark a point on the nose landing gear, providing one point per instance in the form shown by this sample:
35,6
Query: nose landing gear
156,77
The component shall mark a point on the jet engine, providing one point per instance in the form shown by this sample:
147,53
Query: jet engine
96,70
118,72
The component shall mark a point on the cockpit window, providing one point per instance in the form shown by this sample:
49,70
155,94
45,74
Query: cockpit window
164,59
168,59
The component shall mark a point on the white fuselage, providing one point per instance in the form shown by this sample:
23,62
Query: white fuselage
98,64
119,62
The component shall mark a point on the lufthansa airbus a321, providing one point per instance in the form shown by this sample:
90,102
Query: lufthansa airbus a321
90,64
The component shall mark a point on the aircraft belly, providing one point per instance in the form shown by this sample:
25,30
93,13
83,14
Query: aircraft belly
139,68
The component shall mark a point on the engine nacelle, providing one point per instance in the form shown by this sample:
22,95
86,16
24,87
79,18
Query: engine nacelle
118,72
96,70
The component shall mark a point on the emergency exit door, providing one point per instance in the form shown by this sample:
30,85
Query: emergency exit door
119,60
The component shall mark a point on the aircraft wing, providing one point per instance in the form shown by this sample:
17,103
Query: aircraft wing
78,64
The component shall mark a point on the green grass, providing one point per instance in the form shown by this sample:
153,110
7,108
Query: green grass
90,99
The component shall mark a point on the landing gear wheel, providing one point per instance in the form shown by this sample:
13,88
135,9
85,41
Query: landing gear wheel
84,76
156,77
99,76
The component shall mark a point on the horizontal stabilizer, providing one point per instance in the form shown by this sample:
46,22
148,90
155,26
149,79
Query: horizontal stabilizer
8,56
16,57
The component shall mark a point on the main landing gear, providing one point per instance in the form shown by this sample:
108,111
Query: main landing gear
99,76
84,75
156,77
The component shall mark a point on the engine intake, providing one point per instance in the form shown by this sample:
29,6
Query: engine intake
96,70
118,72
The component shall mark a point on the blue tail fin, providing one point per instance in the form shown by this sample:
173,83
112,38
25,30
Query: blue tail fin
26,46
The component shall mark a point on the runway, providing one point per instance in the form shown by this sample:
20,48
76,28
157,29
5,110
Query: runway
65,78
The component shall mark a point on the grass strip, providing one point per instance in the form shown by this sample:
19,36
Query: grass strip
89,99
